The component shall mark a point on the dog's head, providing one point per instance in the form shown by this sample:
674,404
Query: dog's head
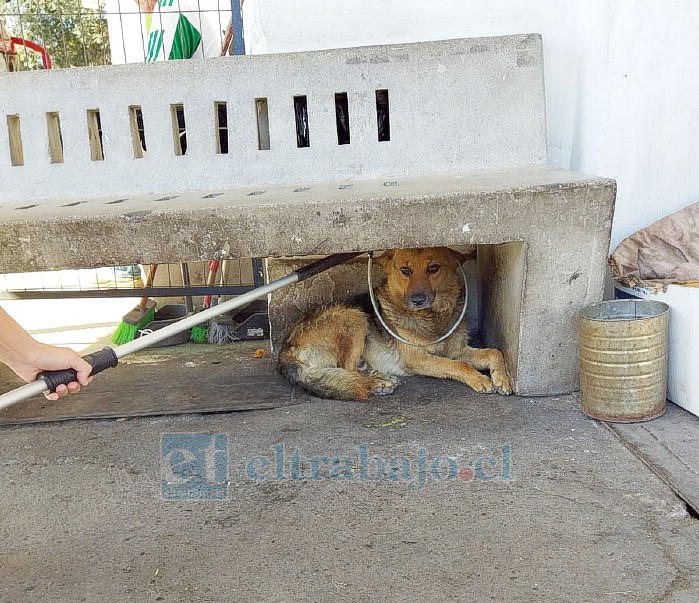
422,278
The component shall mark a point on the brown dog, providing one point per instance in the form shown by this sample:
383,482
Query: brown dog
342,352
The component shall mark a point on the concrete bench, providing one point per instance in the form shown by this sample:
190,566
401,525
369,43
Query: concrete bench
272,169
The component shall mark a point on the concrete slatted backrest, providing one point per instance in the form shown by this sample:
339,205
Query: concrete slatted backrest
410,109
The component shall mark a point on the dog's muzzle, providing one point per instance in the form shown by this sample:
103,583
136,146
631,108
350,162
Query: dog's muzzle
420,301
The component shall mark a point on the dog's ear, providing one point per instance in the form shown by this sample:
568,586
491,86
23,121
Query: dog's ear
455,256
385,258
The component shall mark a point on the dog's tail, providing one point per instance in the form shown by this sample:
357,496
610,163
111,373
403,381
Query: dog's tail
326,382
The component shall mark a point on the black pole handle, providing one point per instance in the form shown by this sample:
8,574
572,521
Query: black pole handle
100,361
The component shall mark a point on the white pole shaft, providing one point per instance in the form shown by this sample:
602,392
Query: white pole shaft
39,386
204,316
22,393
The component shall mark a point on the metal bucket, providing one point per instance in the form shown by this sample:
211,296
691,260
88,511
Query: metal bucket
623,359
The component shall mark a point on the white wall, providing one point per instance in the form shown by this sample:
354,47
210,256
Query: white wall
622,83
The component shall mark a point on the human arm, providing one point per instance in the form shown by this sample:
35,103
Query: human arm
27,357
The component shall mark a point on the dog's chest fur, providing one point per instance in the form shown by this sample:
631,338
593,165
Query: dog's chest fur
388,355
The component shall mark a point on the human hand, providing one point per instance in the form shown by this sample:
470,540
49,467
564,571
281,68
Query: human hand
39,357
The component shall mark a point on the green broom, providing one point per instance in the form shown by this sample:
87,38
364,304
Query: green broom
139,317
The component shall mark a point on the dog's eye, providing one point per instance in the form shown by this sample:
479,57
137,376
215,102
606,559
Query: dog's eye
433,269
406,271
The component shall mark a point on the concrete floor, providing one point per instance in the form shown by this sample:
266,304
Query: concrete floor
571,514
581,519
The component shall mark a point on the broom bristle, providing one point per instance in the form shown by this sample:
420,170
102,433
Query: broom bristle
135,320
124,333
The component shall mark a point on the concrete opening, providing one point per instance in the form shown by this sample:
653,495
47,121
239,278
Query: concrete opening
138,134
303,138
502,272
179,129
14,132
221,117
495,275
263,142
383,122
53,124
94,133
342,118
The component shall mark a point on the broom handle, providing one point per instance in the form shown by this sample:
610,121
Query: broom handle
109,357
210,281
153,268
227,38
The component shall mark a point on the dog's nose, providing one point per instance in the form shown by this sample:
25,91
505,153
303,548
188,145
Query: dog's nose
418,300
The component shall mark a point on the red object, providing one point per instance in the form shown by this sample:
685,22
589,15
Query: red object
34,47
213,271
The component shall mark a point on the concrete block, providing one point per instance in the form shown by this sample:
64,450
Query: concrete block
542,256
491,206
465,164
555,223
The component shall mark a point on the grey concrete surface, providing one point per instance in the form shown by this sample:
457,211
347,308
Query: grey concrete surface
580,520
548,206
668,445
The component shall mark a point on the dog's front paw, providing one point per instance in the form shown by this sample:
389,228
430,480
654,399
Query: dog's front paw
502,383
480,383
383,384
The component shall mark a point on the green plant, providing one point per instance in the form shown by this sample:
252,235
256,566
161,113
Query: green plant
72,34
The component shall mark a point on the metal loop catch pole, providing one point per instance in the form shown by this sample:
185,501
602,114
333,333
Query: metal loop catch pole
380,318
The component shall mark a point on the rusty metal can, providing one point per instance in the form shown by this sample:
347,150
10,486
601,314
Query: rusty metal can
623,359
